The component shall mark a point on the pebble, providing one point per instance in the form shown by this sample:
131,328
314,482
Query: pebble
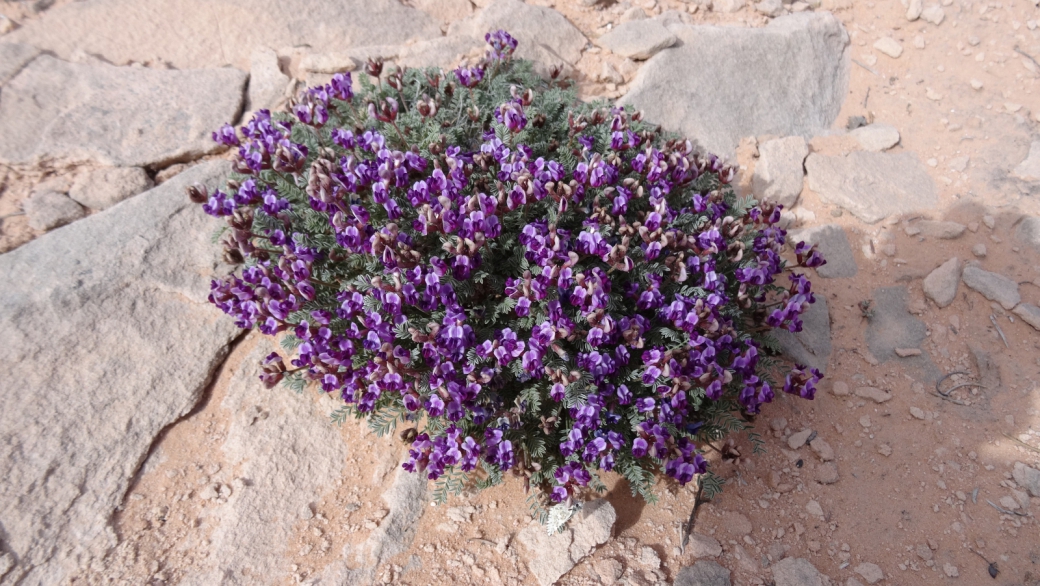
885,450
917,412
979,250
874,394
704,546
814,508
919,42
822,449
950,570
778,424
872,573
992,286
865,421
914,9
49,209
989,221
941,284
908,352
934,14
889,46
797,440
976,84
827,473
840,388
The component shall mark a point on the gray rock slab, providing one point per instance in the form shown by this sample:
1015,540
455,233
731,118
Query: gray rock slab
638,39
13,57
103,188
267,83
291,457
550,557
1027,477
443,52
1028,232
118,116
798,572
893,326
779,172
1029,169
530,25
1029,314
941,284
106,339
992,286
703,573
49,209
941,230
872,186
192,34
831,241
724,83
811,346
876,137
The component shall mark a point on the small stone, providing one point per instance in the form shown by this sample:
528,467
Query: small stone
917,412
876,137
609,570
608,73
209,492
1029,168
992,286
840,388
935,97
797,440
814,508
872,573
1027,478
736,523
979,250
703,546
770,8
702,573
1009,503
104,188
728,6
908,352
778,424
49,209
958,164
634,13
941,230
919,42
1029,314
941,284
306,513
874,394
989,221
923,551
889,46
827,473
797,572
933,14
950,570
648,558
822,449
914,9
865,421
885,450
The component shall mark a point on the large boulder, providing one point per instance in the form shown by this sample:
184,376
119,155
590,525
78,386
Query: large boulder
118,116
213,33
725,83
872,186
106,339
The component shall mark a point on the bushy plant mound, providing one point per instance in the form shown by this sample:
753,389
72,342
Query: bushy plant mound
535,284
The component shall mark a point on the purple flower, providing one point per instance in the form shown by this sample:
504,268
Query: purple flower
511,114
502,44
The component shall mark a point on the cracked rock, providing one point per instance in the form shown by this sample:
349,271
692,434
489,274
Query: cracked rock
550,557
992,286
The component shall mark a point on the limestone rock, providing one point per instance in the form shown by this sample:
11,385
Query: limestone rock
874,394
267,83
798,572
889,46
832,242
876,137
703,573
992,286
914,9
770,8
941,284
872,186
530,25
1029,314
701,87
812,345
49,209
941,230
779,171
105,187
827,473
442,52
797,440
638,39
822,449
1028,232
872,573
703,546
13,57
113,306
118,116
1029,168
1028,478
550,557
192,34
933,14
728,6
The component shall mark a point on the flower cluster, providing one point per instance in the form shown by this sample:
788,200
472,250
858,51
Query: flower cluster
546,287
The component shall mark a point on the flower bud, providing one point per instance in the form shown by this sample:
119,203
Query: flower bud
374,67
198,193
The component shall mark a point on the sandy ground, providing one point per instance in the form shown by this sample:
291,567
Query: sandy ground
915,474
